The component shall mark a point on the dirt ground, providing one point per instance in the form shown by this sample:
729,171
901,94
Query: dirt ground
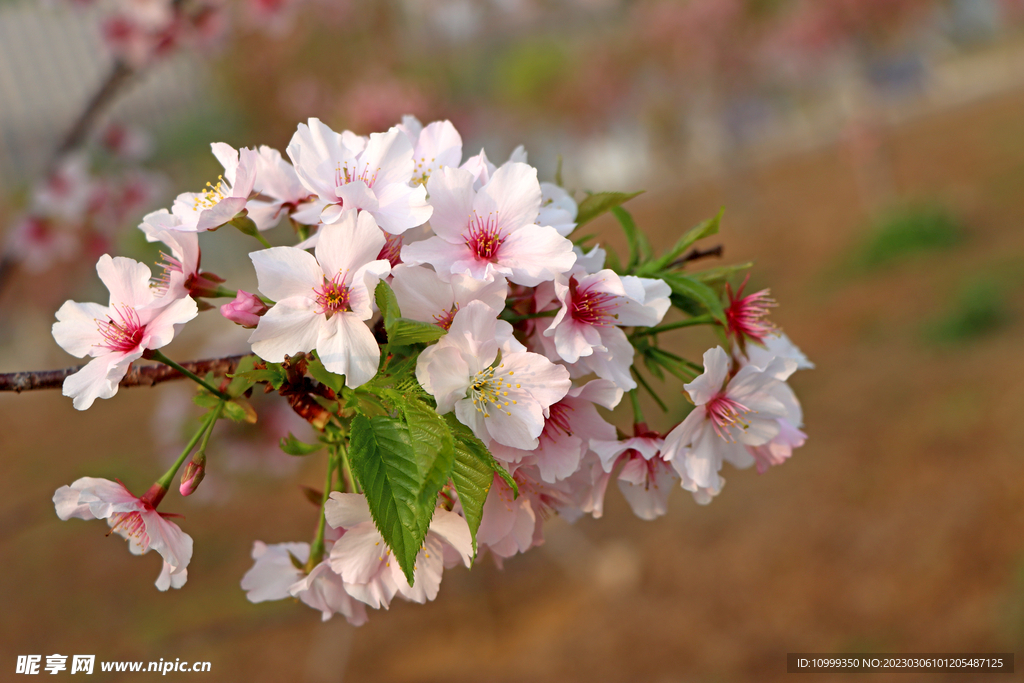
899,527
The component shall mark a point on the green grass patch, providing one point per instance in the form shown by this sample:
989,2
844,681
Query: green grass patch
977,310
905,232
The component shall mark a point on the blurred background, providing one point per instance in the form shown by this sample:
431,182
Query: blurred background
869,155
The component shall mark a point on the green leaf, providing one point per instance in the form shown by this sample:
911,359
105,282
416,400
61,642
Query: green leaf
240,410
719,274
317,371
204,399
383,459
388,305
702,230
472,476
464,434
240,382
699,292
405,331
435,456
639,247
601,202
293,446
274,374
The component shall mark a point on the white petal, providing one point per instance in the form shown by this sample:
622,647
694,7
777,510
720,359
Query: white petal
346,346
76,329
289,327
349,244
286,272
127,280
346,510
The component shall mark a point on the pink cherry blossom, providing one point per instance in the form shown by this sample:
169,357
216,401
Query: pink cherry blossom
181,276
364,560
221,201
245,309
37,242
423,296
557,209
347,172
729,415
135,519
569,429
279,192
513,525
436,145
490,232
115,335
323,302
275,576
506,399
595,306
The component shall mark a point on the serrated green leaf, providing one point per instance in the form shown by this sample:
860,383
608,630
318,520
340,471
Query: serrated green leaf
293,446
383,459
601,202
317,371
687,288
472,477
435,455
235,412
702,230
406,331
461,432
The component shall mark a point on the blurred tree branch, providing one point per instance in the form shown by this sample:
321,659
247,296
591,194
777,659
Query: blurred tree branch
138,375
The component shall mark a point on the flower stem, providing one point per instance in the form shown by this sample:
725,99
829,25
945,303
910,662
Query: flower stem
316,550
153,354
698,320
224,292
638,414
204,429
246,226
351,486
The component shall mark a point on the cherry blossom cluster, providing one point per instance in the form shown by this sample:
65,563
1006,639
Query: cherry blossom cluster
452,349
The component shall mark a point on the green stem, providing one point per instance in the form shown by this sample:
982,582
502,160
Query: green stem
209,432
351,486
645,385
689,322
638,415
153,354
530,316
223,292
204,428
316,550
246,226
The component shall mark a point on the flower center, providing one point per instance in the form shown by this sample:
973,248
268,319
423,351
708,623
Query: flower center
591,307
484,238
745,315
124,334
343,175
444,320
558,420
334,296
213,194
489,390
392,249
130,525
724,413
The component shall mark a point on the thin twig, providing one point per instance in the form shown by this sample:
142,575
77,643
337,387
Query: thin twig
80,129
696,254
138,375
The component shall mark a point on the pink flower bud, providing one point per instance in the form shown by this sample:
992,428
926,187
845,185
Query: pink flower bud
245,310
192,476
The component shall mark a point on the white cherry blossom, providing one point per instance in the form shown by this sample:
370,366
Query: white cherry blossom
220,202
365,563
729,415
504,400
323,302
423,296
134,519
491,232
135,320
346,172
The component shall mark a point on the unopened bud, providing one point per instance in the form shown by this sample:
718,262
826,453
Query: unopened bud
245,310
192,476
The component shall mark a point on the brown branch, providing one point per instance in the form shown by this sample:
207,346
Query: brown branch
138,375
107,93
696,254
